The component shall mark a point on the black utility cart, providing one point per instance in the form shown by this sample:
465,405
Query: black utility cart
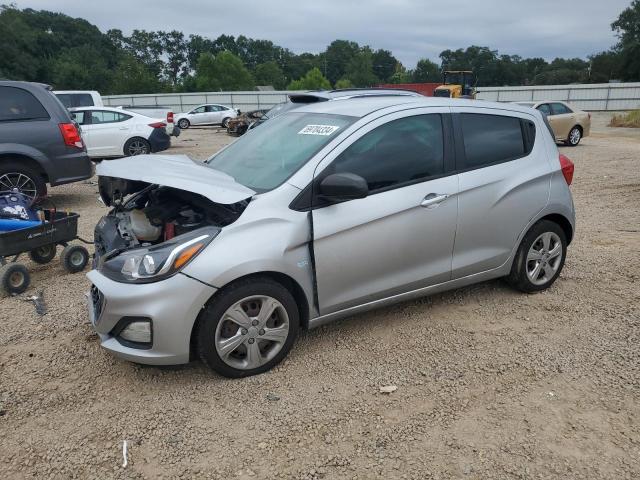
59,228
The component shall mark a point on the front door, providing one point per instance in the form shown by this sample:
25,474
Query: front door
561,120
400,237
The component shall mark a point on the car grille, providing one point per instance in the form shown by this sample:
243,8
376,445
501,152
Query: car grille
97,300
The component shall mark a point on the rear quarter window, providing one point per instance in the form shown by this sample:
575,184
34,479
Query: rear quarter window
491,139
71,100
17,104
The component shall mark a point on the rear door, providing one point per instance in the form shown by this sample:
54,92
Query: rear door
503,183
561,120
400,237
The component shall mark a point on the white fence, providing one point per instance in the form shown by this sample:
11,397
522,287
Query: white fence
183,102
594,97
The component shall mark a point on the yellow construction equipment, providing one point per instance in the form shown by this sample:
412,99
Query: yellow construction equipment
457,84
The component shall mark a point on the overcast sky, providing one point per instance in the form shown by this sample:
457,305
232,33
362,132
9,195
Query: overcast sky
411,29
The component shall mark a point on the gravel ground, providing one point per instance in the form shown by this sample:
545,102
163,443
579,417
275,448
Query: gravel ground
491,383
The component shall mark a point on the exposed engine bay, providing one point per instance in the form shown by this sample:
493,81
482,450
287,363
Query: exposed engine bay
148,214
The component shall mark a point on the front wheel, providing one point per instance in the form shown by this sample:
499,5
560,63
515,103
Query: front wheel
183,123
136,146
44,254
74,258
248,328
540,258
225,122
575,135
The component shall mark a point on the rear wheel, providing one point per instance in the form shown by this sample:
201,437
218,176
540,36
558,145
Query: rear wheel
575,135
136,146
43,254
540,258
183,123
23,178
14,278
248,328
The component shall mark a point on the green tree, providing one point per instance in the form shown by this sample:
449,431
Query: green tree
426,71
313,80
131,76
344,83
401,75
337,57
77,67
224,72
269,73
384,64
627,28
360,69
605,66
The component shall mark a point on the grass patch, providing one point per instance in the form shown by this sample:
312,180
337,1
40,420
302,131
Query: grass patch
629,119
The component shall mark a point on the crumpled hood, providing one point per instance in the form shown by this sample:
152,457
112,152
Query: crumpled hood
177,171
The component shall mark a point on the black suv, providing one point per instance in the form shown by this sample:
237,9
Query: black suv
39,143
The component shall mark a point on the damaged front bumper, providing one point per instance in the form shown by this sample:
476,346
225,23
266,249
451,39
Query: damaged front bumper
171,306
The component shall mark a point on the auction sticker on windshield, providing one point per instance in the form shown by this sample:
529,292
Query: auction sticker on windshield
318,130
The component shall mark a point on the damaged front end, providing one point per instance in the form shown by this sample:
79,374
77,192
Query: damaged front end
158,225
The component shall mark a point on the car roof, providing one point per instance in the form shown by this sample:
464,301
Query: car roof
362,106
313,96
97,107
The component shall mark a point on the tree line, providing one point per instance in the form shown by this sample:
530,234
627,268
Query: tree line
71,53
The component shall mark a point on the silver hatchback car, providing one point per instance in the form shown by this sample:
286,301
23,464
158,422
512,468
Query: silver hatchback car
322,212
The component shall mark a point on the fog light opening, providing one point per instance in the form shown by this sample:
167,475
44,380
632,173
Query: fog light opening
135,332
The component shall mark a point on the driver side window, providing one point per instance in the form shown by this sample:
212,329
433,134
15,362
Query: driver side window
198,110
399,152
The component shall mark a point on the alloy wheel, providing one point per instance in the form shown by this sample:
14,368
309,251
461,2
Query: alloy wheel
574,136
252,332
544,258
138,147
18,181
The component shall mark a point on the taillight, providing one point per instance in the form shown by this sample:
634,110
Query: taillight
567,168
170,117
71,135
158,125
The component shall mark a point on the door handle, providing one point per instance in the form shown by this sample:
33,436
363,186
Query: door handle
434,199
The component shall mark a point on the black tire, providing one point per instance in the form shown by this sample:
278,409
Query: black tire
44,254
74,258
574,137
136,146
211,316
14,278
183,123
518,278
12,168
225,122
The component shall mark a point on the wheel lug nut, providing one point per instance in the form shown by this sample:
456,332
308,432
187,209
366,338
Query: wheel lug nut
261,332
251,340
254,323
243,331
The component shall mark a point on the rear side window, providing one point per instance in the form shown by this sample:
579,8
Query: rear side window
102,116
490,139
17,104
399,152
71,100
560,109
545,108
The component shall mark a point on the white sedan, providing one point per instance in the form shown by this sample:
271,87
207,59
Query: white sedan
113,132
207,114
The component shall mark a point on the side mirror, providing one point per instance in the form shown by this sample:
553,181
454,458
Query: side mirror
343,186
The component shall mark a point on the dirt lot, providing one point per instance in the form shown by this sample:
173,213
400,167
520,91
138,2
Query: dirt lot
491,383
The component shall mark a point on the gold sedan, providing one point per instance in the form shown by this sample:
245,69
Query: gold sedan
568,124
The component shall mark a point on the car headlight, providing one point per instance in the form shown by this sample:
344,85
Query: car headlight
151,264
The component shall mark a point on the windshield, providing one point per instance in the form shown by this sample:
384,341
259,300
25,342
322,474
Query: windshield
265,157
